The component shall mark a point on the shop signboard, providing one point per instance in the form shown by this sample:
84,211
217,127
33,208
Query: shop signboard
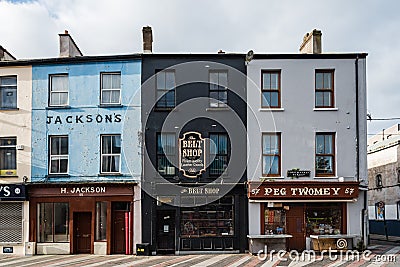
12,192
192,161
303,190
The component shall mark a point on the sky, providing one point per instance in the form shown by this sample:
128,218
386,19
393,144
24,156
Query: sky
29,29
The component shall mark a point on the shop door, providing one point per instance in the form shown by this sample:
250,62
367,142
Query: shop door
165,231
82,231
118,232
296,228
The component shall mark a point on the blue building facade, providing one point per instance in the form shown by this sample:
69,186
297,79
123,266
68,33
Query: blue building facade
86,156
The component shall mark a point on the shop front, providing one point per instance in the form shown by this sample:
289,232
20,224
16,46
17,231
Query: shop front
82,218
308,215
199,219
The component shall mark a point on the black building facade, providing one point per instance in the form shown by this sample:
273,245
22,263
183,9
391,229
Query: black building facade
194,130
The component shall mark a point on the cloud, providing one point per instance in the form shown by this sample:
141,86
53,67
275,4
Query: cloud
104,28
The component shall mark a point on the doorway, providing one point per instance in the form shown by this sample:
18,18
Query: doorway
82,232
165,231
119,209
296,227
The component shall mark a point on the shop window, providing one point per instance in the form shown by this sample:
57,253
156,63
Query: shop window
165,82
398,210
58,90
324,89
218,81
325,154
58,155
214,219
8,92
380,210
101,221
110,88
219,153
8,156
271,87
11,222
110,153
324,219
274,221
378,181
166,153
271,154
53,222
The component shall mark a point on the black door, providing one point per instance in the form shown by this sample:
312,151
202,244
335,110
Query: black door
165,231
82,231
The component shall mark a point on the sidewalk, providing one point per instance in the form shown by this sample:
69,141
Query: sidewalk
382,238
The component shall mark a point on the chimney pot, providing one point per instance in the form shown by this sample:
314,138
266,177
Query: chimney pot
312,43
65,31
221,51
147,39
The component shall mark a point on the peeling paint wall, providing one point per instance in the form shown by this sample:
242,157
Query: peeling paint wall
84,120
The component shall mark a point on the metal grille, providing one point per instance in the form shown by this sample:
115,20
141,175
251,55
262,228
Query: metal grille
11,222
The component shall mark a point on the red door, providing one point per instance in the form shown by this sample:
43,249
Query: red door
82,232
118,246
296,228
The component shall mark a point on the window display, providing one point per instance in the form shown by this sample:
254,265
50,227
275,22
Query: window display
324,219
215,219
274,221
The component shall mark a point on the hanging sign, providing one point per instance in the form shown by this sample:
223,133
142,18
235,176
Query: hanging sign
192,161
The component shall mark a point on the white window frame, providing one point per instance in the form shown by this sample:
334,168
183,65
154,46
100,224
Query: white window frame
58,157
13,171
9,87
51,91
109,154
110,89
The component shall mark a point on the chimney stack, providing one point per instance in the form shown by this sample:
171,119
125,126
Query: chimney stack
147,39
68,47
5,55
312,43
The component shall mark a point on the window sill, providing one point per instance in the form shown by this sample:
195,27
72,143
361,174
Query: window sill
266,178
9,176
58,107
325,109
110,106
218,109
271,109
9,109
109,174
326,177
163,109
57,175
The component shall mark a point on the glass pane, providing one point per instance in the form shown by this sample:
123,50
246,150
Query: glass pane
266,144
106,96
223,80
170,99
8,81
319,99
213,144
64,145
116,81
328,80
223,97
45,222
266,164
106,164
324,165
274,81
59,83
63,166
115,164
275,165
115,96
160,80
116,144
61,233
327,99
266,81
101,220
54,166
8,98
319,82
8,159
266,99
106,144
106,82
223,144
328,144
55,145
170,80
274,99
320,144
213,80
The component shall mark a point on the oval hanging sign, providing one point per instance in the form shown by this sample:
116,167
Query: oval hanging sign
192,159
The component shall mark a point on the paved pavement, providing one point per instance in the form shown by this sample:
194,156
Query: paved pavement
381,255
